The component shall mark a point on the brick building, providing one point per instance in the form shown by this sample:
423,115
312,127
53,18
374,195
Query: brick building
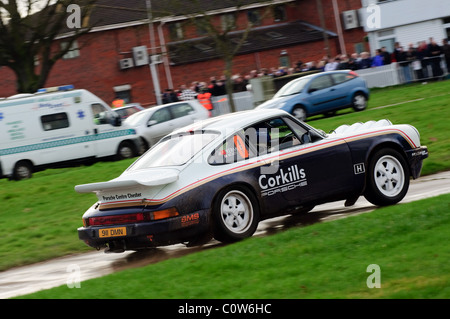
112,60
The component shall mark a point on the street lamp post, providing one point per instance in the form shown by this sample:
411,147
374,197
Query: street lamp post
152,65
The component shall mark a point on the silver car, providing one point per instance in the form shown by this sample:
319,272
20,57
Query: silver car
154,123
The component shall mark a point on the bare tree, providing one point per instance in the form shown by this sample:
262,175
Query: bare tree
29,34
219,29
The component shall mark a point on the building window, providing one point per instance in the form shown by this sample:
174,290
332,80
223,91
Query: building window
386,39
446,23
284,59
176,31
228,21
123,92
200,25
73,52
54,121
254,17
279,13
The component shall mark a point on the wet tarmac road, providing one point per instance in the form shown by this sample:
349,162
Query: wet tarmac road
23,280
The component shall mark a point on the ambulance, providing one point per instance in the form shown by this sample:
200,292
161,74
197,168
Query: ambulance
59,125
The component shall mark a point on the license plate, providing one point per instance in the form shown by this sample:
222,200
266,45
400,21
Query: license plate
112,232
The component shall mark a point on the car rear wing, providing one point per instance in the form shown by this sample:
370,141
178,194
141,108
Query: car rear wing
153,178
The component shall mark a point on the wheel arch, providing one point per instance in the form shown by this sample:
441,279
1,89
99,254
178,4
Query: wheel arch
386,144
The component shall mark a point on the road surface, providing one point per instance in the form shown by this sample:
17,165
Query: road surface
24,280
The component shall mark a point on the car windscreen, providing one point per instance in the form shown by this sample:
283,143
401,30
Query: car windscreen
293,87
174,150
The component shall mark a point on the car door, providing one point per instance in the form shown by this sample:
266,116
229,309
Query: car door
325,166
159,125
322,94
343,86
302,167
182,114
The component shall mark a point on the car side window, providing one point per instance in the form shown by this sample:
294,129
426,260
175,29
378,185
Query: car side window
339,78
232,150
271,135
320,83
182,109
54,121
299,130
100,113
160,116
259,139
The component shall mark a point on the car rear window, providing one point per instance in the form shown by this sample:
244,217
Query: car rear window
174,150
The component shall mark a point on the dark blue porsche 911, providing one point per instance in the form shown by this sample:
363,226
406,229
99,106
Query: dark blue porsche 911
221,176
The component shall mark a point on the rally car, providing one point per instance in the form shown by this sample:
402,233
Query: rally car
220,177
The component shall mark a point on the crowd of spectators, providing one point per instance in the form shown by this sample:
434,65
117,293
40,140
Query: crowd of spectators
413,58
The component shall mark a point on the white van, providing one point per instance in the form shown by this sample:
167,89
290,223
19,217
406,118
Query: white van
57,125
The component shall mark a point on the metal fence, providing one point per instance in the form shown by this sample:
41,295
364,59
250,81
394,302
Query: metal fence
242,100
387,75
405,72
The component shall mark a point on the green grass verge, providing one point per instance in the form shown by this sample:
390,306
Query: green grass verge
324,260
39,217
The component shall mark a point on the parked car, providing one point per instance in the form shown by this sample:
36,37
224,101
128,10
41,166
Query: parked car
129,109
320,93
154,123
221,176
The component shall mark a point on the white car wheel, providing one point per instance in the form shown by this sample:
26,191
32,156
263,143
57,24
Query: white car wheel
235,214
389,175
387,178
236,211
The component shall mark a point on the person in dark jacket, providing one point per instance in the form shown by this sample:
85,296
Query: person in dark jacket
446,51
434,53
169,96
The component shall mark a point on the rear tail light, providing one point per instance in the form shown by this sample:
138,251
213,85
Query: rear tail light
130,218
353,73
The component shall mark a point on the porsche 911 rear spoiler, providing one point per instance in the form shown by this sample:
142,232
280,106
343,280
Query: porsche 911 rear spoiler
152,178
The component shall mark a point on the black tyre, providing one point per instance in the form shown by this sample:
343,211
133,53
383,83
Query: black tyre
126,150
22,170
359,102
235,214
387,178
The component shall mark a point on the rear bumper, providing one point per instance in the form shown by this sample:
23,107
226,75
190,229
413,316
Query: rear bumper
148,234
415,159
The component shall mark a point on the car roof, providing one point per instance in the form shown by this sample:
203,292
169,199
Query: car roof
309,76
128,106
233,121
157,107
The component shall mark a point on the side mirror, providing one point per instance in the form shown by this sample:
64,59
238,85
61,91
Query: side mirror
312,90
116,120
